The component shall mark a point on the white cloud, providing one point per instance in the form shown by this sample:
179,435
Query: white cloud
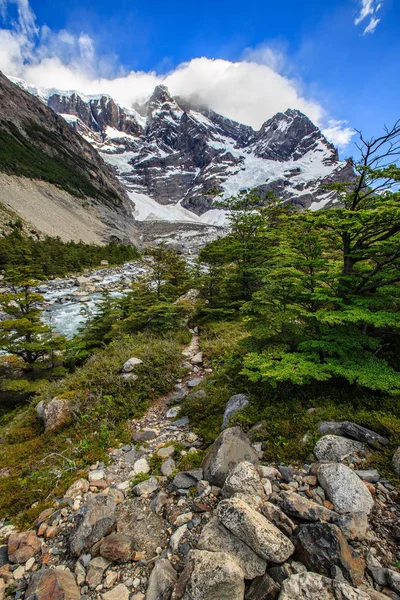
368,10
338,133
249,91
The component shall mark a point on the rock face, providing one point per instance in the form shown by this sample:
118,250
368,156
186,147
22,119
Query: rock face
228,450
322,545
162,581
310,586
177,150
55,413
52,584
345,489
217,538
336,448
95,520
234,404
208,576
255,530
304,509
353,431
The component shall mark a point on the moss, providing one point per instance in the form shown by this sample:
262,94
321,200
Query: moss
191,460
139,478
155,464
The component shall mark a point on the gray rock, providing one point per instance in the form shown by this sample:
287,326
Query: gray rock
94,520
310,586
132,456
396,461
194,382
263,588
322,545
234,404
130,364
95,571
181,422
244,479
278,518
353,525
145,488
255,530
40,411
166,452
184,481
336,448
304,509
162,581
79,487
144,436
353,431
370,475
172,412
345,489
210,576
229,449
217,538
168,467
56,413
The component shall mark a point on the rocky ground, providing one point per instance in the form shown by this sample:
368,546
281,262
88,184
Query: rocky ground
166,521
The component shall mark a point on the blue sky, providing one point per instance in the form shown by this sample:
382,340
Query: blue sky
337,61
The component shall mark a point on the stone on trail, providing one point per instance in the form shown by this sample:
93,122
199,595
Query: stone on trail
370,475
117,547
336,448
166,452
197,359
229,449
234,404
194,382
22,546
217,538
304,509
396,461
52,584
93,521
168,467
210,576
130,364
162,581
244,479
181,422
345,489
184,481
320,546
172,412
145,488
353,431
140,467
310,586
144,436
255,530
120,592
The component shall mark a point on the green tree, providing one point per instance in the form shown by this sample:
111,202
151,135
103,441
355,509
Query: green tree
329,304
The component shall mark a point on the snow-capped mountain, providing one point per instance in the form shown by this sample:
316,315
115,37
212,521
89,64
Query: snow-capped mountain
170,153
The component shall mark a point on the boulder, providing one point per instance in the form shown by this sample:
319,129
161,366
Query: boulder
144,436
336,448
345,489
56,413
263,588
22,546
304,509
130,364
255,530
117,547
79,487
278,518
217,538
94,520
52,584
184,481
194,382
210,576
234,404
370,475
141,466
310,586
320,546
95,571
168,467
228,450
162,581
197,359
396,461
353,431
245,479
166,452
